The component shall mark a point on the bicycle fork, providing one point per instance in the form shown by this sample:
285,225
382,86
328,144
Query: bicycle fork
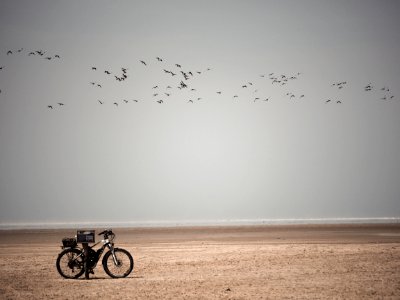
113,254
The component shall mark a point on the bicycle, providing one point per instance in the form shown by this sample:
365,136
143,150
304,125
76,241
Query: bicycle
71,262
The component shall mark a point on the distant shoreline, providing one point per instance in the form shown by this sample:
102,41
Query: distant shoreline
196,223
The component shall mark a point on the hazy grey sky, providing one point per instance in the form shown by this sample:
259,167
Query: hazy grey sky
220,157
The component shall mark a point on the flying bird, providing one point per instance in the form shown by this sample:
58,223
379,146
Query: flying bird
100,102
159,59
115,103
9,52
160,101
94,68
143,62
50,106
61,104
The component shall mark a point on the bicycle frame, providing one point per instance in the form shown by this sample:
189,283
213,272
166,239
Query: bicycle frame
106,244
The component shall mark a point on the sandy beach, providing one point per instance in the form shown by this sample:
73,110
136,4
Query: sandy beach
236,262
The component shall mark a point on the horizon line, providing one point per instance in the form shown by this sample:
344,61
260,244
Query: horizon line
196,223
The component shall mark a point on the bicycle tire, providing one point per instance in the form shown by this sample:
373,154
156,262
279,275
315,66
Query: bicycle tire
70,263
125,263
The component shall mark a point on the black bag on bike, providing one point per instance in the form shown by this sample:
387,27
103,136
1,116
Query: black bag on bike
69,242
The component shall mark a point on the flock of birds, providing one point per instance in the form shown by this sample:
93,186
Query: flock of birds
182,82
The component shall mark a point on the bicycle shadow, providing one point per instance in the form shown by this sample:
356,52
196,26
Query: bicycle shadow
109,278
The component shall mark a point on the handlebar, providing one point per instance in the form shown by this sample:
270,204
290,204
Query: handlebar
106,233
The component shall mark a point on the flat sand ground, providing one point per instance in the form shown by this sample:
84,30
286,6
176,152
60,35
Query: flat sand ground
246,262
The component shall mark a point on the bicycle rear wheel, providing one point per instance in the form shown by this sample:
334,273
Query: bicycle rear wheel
70,263
122,268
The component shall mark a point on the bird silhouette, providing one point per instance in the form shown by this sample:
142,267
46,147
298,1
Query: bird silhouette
56,56
178,65
219,93
154,87
126,101
160,101
50,106
100,102
107,72
94,68
9,52
61,104
115,103
143,62
327,101
159,59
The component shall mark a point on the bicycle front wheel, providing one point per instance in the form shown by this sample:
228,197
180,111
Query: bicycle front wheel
120,268
70,263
